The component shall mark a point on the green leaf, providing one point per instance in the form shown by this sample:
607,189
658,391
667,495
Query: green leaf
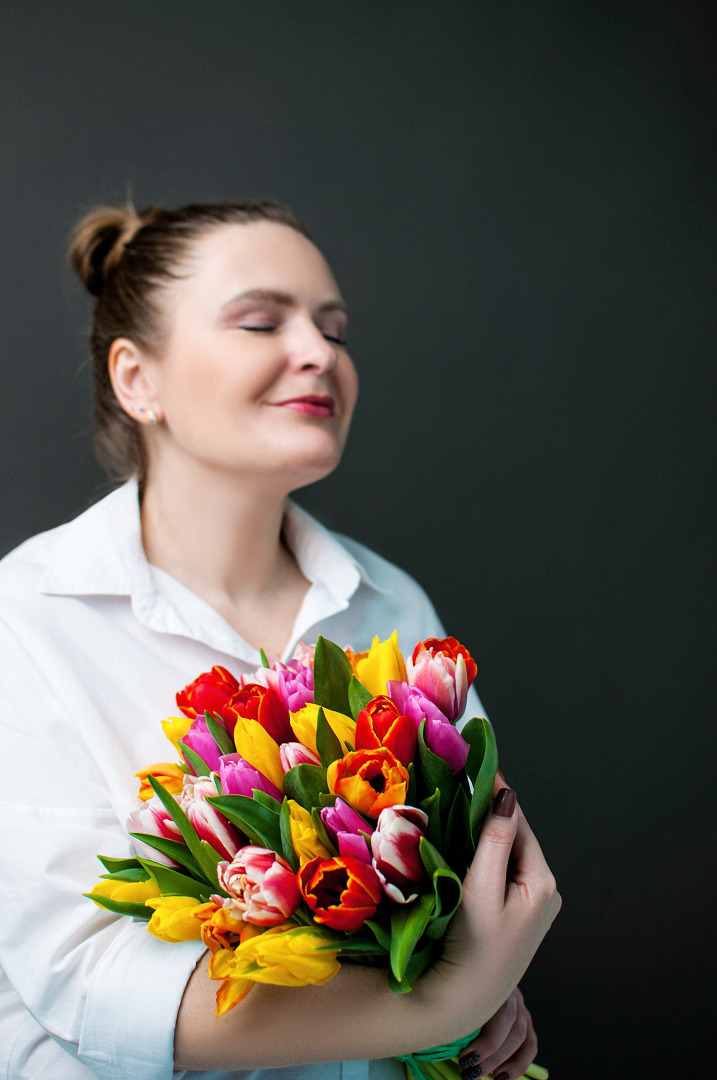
432,807
459,849
434,771
266,800
259,823
431,857
132,873
115,865
416,966
206,866
122,907
220,734
359,696
305,784
327,743
381,934
412,793
408,921
264,661
474,734
174,848
172,883
287,844
483,784
198,763
321,830
332,675
448,892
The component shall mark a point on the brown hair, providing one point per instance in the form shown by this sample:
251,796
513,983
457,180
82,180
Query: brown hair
124,258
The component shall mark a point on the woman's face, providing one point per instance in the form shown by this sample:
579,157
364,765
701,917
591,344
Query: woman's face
255,378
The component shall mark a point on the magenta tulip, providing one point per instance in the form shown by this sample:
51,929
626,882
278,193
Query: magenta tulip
441,737
202,742
296,685
262,887
395,848
238,777
344,827
443,740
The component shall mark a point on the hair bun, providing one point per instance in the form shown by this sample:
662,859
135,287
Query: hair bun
99,240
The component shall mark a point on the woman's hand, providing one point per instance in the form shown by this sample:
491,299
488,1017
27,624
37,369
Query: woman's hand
506,1046
509,902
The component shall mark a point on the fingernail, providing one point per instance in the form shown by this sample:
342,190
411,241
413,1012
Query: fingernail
503,806
502,1076
471,1074
468,1060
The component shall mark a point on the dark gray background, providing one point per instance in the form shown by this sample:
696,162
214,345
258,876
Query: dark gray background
518,201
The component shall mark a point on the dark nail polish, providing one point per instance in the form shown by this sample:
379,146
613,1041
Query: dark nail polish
471,1074
468,1060
503,806
501,1076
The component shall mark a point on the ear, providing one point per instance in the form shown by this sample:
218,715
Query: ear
131,377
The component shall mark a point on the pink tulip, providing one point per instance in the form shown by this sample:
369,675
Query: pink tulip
238,777
296,685
207,822
152,818
442,679
344,827
304,654
395,848
295,753
265,676
261,885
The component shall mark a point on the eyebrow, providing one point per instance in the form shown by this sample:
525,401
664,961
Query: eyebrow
285,299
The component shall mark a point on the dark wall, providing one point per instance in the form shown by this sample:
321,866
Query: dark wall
518,200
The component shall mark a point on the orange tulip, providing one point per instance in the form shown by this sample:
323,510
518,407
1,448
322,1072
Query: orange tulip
369,780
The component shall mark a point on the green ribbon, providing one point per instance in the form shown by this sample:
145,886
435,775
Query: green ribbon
435,1053
421,1065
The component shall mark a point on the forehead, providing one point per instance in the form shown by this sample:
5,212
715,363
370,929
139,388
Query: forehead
231,259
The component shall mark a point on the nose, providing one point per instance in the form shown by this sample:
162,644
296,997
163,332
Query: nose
311,351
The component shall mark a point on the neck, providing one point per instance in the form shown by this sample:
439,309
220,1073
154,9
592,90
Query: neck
217,535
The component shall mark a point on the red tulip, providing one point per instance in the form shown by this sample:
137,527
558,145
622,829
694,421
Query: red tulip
381,724
208,693
342,892
260,703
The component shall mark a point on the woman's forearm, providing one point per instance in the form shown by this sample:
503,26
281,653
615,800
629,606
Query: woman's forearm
353,1016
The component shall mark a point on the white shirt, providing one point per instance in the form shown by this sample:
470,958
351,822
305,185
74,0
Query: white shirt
94,644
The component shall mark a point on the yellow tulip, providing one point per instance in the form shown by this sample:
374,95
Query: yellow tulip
174,919
305,720
175,728
258,748
384,662
169,775
280,957
129,892
304,836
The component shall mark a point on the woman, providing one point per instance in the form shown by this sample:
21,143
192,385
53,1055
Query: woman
223,383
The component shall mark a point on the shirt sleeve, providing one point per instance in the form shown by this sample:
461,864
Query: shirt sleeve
99,984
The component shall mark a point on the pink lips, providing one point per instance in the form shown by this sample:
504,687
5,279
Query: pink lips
321,405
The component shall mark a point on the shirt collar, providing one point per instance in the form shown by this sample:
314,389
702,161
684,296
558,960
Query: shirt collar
100,553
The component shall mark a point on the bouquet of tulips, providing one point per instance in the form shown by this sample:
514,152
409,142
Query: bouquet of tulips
323,810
